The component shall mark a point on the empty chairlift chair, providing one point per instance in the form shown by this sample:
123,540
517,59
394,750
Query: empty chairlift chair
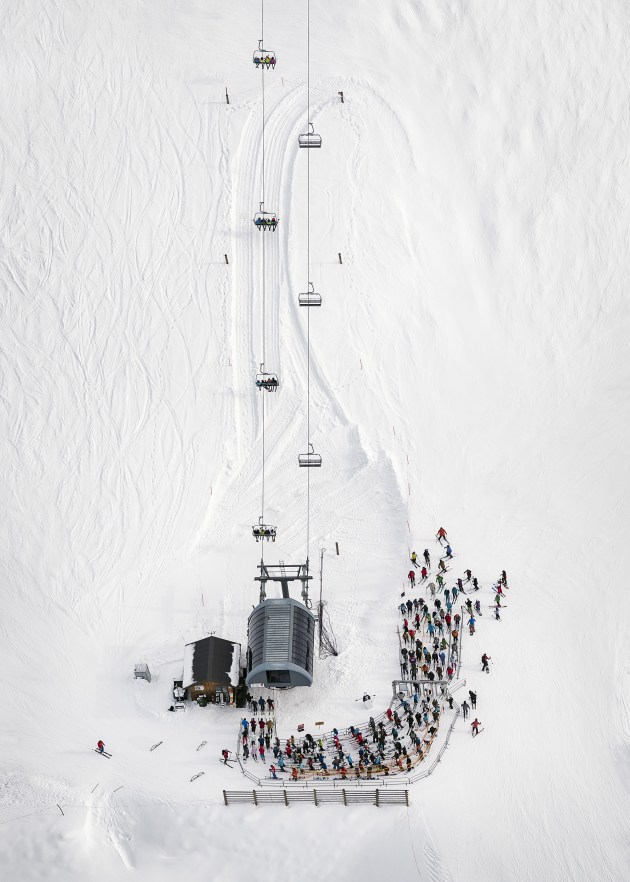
264,58
310,460
310,138
265,380
266,220
263,531
310,297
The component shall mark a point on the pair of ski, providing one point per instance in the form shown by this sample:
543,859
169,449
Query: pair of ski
103,753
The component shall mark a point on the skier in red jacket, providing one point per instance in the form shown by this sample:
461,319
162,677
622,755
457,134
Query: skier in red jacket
441,534
475,727
100,746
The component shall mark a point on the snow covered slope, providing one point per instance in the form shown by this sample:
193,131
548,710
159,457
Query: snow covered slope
469,368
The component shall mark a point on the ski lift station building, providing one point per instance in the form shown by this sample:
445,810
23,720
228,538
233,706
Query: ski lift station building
211,669
281,637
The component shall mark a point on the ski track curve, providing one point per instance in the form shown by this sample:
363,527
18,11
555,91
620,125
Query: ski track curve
286,409
285,326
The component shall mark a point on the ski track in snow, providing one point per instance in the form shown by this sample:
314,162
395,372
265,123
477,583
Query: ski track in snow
286,417
435,868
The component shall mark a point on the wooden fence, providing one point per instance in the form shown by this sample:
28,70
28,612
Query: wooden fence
316,796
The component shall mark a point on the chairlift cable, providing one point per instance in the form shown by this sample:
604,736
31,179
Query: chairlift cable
262,74
308,276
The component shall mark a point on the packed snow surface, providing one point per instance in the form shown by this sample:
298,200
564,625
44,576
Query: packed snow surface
469,368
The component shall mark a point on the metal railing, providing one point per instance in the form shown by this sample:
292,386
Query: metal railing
340,783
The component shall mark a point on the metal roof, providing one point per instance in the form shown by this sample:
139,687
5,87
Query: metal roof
212,659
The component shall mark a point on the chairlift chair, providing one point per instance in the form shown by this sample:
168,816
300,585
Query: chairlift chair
310,297
266,380
264,57
266,220
310,460
310,138
263,531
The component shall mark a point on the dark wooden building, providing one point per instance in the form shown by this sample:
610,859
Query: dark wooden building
211,669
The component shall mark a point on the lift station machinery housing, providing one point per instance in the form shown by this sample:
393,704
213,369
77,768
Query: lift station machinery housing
281,631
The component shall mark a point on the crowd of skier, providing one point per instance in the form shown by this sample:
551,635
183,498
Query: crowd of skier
430,639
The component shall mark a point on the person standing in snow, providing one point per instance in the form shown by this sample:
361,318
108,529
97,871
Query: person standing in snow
475,727
465,708
473,698
504,578
412,578
441,534
427,557
468,575
432,589
471,625
225,754
484,663
449,551
496,612
423,573
414,559
100,746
